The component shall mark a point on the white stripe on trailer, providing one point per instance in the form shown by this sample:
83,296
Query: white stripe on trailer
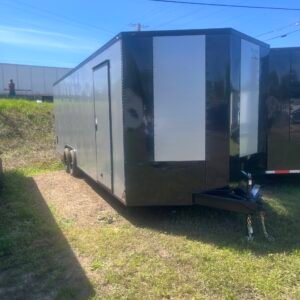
283,172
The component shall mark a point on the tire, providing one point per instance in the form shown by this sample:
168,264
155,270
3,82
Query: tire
67,160
74,171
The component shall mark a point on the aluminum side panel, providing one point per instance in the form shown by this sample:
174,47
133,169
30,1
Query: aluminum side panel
58,117
179,98
249,106
75,115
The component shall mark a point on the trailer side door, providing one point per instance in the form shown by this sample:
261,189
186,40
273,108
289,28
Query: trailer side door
103,133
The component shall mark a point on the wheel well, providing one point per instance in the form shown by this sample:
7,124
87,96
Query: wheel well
68,147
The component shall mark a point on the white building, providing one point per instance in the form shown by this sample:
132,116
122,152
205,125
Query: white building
30,81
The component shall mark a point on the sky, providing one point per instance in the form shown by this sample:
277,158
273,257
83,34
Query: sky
63,33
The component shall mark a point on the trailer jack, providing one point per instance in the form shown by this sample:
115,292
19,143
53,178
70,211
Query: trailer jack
238,200
250,230
254,196
266,234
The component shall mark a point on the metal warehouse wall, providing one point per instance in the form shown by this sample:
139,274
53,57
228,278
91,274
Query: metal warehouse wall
30,80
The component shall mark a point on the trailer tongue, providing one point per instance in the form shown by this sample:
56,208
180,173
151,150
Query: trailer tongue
237,200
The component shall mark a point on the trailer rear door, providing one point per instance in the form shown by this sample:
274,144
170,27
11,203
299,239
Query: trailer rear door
103,124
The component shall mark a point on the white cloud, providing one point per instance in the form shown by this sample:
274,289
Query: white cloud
30,37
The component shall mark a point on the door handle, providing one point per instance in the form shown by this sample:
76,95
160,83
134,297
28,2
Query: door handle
96,124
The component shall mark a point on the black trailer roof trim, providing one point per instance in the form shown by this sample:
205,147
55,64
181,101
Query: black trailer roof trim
195,31
162,33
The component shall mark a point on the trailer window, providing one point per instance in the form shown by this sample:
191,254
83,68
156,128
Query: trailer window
250,70
179,98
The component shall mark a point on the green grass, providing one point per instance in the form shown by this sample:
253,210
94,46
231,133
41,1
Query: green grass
195,253
150,253
24,106
41,168
191,257
26,132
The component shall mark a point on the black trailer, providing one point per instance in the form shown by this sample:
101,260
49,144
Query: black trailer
283,107
168,117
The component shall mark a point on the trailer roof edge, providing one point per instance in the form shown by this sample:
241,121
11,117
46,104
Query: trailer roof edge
195,31
105,46
287,48
120,35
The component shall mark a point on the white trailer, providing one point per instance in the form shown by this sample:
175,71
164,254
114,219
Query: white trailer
30,81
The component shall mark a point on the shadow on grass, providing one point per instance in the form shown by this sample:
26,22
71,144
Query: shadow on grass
36,261
222,228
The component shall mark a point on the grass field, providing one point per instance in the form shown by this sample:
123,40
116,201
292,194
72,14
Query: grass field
157,253
26,132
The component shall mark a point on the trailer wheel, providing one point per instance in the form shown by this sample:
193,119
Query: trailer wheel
67,159
74,171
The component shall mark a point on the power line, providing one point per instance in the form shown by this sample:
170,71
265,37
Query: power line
194,12
215,12
227,5
178,18
278,29
282,35
148,14
162,10
161,14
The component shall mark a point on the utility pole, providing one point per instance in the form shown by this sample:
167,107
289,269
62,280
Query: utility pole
138,26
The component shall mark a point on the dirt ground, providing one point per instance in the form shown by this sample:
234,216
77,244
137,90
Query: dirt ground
73,198
77,201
